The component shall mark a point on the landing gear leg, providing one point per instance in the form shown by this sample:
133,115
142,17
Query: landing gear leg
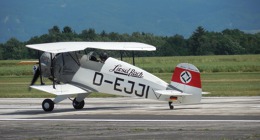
170,105
47,105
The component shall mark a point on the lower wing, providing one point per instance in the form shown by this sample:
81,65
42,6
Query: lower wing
65,89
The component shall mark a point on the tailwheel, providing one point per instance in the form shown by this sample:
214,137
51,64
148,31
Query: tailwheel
171,106
47,105
78,105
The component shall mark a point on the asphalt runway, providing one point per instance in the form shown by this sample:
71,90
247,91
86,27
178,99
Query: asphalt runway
131,118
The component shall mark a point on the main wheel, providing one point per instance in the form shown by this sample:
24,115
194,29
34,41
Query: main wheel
78,105
171,106
47,105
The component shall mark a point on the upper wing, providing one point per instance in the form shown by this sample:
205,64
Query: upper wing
65,89
61,47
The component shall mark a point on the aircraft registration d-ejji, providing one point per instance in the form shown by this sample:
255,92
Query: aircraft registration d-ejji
77,75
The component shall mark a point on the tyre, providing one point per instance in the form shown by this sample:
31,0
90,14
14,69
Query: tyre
47,105
78,105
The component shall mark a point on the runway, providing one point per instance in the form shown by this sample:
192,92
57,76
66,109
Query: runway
132,118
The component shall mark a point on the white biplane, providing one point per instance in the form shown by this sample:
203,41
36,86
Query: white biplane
78,75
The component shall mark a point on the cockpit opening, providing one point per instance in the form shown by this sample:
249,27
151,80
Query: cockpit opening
97,57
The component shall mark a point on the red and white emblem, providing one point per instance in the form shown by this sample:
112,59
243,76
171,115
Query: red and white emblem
185,77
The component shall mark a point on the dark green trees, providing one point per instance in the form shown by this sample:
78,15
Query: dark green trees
13,49
201,42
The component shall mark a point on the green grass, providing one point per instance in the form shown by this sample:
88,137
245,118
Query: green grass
219,84
11,68
206,64
227,83
224,63
237,75
18,87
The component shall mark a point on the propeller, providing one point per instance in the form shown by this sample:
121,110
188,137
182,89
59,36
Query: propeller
35,69
35,77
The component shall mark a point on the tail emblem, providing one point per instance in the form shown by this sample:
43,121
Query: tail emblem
186,74
185,77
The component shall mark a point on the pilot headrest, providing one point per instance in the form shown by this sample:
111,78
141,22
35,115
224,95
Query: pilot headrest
103,56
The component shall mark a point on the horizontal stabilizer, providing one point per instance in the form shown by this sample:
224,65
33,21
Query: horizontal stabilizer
171,93
65,89
205,93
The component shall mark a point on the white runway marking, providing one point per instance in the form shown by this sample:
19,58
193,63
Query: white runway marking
125,120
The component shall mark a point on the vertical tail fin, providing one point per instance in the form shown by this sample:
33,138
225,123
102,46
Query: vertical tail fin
186,77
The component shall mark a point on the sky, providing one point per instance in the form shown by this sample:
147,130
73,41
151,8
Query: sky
24,19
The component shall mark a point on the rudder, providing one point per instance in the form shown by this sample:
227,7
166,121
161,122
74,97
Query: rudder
186,77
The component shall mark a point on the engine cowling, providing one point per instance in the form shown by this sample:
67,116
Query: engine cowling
45,60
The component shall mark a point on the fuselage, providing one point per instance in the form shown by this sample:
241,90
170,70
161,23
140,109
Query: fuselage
112,77
120,78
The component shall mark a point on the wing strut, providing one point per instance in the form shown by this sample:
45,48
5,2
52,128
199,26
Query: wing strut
78,63
52,72
133,55
63,62
121,55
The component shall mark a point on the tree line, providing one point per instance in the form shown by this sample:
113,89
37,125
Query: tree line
201,42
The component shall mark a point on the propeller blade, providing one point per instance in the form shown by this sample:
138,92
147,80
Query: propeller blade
35,76
28,62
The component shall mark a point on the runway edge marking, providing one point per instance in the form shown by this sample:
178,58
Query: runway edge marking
125,120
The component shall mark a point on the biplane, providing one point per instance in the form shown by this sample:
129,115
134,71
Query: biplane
77,75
